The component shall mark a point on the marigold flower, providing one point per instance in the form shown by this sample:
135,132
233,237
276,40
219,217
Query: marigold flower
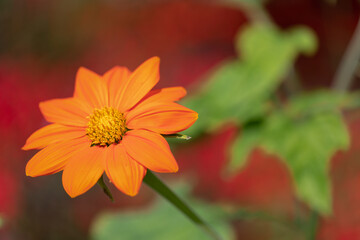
112,124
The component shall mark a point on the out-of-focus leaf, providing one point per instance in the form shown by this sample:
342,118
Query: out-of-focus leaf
239,90
161,222
322,101
304,39
306,145
259,41
305,135
1,222
244,143
353,100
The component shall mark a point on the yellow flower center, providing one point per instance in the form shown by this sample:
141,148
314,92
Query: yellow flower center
106,126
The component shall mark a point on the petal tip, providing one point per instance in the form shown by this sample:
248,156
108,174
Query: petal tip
132,194
71,193
29,172
41,104
174,168
184,92
82,69
154,59
154,62
196,115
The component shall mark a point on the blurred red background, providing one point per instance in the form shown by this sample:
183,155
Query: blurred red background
43,43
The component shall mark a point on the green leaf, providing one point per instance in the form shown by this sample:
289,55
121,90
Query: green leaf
306,146
259,41
239,90
244,143
161,222
304,39
305,134
320,101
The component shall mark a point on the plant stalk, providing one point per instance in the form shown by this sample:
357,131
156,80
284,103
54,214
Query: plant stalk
344,74
156,184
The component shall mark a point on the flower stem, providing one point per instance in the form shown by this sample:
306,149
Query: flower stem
349,62
156,184
312,225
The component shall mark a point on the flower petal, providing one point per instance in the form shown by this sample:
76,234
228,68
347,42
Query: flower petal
164,95
84,169
164,118
116,79
52,133
140,82
53,158
123,171
66,111
90,88
150,150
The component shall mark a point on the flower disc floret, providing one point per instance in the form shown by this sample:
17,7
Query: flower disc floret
106,126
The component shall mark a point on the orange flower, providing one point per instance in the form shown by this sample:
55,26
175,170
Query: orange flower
113,123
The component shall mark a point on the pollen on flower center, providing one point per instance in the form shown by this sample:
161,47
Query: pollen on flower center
106,126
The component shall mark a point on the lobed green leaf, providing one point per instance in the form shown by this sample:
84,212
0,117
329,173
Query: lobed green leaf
305,135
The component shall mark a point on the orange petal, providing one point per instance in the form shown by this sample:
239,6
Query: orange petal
164,118
90,88
50,134
164,95
84,169
66,111
53,158
123,171
116,79
140,82
150,150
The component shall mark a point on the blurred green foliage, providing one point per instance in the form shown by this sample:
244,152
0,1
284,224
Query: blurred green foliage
239,90
301,108
161,222
305,134
304,131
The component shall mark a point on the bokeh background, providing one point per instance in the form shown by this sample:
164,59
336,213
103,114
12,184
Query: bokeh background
276,150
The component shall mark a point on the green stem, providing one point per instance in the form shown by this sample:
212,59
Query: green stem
349,62
313,224
156,184
292,84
